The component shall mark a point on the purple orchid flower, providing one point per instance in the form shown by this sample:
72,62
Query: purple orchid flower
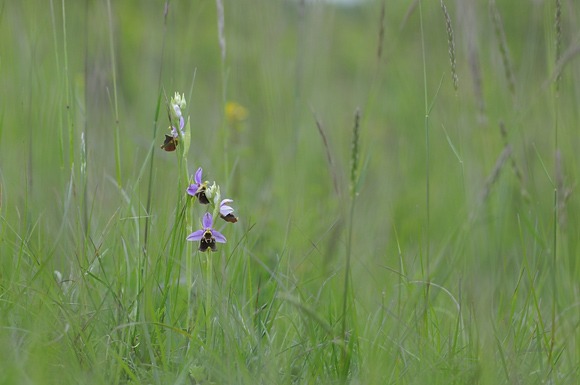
227,212
207,236
198,188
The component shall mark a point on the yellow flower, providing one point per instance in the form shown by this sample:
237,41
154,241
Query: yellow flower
235,114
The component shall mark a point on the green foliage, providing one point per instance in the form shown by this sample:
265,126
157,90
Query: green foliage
461,250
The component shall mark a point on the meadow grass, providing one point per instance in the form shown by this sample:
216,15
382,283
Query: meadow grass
403,173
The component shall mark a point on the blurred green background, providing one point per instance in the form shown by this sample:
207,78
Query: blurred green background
429,207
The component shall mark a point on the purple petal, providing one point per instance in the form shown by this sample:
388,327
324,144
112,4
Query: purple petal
196,235
225,210
219,237
181,123
207,221
177,110
192,189
198,176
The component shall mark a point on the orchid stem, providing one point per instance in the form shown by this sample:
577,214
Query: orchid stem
189,264
208,292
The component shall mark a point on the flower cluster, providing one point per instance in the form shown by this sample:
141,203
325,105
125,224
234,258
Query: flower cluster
205,193
209,195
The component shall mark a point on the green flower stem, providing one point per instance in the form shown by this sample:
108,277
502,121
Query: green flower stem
189,263
208,292
182,185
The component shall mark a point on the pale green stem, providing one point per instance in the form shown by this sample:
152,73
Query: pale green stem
208,293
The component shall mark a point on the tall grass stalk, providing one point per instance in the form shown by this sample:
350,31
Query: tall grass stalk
115,100
558,188
222,43
68,100
427,156
381,38
84,176
57,62
354,164
450,46
329,160
503,46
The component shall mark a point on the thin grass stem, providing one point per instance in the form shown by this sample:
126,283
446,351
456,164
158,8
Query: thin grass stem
222,44
67,90
57,62
427,156
115,100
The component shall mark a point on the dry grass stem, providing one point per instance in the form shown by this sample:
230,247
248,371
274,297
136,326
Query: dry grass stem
493,177
475,68
328,154
381,32
409,12
514,165
503,47
567,57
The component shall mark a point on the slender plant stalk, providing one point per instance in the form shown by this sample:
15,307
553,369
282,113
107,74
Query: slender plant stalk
189,255
222,44
67,90
85,136
208,305
555,97
345,360
115,100
450,46
427,153
57,61
503,46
